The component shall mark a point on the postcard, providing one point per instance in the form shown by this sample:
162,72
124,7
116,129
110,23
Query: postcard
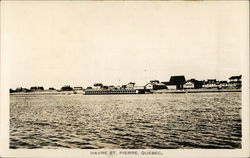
124,79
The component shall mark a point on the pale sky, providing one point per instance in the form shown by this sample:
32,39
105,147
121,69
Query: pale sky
76,43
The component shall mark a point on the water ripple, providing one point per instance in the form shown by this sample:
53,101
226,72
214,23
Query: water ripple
163,121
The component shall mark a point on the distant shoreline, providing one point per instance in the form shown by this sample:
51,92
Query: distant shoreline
164,91
196,91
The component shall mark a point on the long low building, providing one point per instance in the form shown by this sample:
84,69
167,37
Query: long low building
110,92
155,86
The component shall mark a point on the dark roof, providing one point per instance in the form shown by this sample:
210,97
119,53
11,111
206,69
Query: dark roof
36,87
194,81
98,84
154,81
131,83
166,83
223,81
66,86
235,77
214,80
211,81
175,80
157,84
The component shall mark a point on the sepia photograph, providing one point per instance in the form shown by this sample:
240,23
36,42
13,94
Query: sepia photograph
125,78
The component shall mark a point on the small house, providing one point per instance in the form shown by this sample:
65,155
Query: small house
40,88
155,81
235,78
130,85
36,88
105,87
223,84
66,88
211,83
189,85
112,87
193,84
19,89
235,81
155,86
98,86
11,90
123,87
78,88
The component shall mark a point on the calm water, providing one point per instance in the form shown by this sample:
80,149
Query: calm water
204,120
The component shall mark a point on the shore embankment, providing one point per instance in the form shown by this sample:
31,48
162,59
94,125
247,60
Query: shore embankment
163,91
48,92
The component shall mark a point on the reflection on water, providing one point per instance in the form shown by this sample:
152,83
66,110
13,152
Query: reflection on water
162,121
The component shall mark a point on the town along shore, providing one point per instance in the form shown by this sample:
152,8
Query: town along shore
162,91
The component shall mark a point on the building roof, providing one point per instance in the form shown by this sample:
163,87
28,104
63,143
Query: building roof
189,81
235,77
154,81
211,81
98,84
66,86
166,83
222,82
158,84
175,80
214,80
194,81
131,83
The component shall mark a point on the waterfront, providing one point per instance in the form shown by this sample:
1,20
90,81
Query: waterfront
163,121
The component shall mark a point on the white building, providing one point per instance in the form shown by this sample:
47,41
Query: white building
78,88
98,86
171,87
155,86
149,86
188,85
130,85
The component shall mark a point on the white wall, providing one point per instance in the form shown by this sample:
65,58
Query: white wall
188,85
171,86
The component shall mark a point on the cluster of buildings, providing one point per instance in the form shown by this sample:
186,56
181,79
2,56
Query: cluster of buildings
179,82
175,82
32,89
